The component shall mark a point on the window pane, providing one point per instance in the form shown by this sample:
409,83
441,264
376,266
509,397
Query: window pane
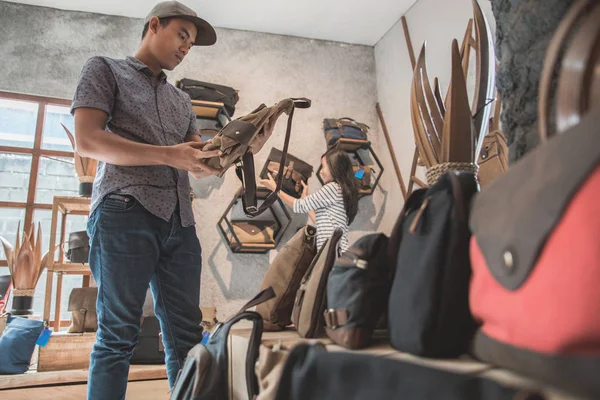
14,177
54,137
74,223
9,222
56,177
17,123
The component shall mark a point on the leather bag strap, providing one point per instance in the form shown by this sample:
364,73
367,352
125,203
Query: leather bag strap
246,174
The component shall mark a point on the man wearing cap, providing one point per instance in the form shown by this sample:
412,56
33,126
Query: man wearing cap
141,226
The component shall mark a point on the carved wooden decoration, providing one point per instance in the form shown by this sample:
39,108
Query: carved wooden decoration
85,167
578,88
25,261
450,134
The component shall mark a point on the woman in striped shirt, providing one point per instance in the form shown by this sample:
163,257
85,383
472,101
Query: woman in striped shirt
334,205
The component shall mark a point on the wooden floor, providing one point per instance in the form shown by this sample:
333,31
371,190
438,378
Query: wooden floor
139,390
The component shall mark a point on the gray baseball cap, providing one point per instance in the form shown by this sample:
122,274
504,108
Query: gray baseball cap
206,33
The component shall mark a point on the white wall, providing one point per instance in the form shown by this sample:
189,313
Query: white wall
434,21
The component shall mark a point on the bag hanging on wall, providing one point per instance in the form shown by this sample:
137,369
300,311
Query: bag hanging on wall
358,289
311,298
79,247
346,128
294,172
82,305
17,344
205,373
536,263
212,92
429,312
285,274
363,174
242,138
254,232
311,372
493,159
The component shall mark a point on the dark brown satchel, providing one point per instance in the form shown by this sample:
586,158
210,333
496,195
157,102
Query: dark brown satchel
284,275
82,305
294,172
493,159
242,138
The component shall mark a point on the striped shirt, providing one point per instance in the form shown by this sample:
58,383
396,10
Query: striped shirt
328,203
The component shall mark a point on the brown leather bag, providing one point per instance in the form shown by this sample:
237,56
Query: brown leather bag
311,298
254,232
493,159
82,305
284,275
242,138
365,181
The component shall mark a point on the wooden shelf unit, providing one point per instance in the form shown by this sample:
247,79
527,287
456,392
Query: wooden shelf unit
64,206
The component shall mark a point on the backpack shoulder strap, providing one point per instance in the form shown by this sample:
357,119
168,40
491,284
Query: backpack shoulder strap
253,341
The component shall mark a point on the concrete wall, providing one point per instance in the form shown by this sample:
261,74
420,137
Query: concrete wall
43,50
437,22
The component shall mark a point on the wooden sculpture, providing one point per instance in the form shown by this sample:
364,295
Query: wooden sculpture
578,88
85,168
449,134
25,263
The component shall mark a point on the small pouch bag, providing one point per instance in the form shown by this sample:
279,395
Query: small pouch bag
82,305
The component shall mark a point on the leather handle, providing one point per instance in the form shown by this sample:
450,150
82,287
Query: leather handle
264,295
247,175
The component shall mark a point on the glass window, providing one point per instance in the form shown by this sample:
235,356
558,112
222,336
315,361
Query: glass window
17,123
54,136
15,170
9,222
56,177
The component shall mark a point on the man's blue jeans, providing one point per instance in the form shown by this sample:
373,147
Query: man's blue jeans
129,249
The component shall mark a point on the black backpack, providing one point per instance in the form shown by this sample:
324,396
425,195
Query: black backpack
310,372
205,372
199,90
358,289
429,311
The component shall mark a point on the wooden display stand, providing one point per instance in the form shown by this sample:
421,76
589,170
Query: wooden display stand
63,206
66,351
239,339
76,376
365,156
281,221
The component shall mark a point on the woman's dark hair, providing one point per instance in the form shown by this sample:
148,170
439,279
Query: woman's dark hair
341,171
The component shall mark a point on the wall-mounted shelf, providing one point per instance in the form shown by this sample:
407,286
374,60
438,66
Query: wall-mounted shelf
254,235
363,158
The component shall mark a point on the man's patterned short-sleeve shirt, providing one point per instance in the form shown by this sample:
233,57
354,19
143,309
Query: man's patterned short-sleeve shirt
146,110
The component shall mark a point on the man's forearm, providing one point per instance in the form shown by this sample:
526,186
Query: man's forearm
114,149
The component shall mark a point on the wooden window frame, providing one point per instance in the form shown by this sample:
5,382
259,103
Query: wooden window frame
36,152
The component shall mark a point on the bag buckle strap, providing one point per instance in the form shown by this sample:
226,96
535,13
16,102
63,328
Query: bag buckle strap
334,318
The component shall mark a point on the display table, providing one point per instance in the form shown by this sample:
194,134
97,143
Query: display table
238,345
